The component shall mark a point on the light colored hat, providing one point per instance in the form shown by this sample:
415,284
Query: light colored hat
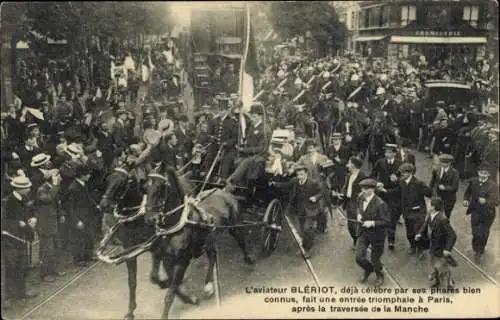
380,90
281,74
326,75
383,77
298,81
21,182
354,77
74,150
39,159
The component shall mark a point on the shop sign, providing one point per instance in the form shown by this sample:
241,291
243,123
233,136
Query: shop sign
442,33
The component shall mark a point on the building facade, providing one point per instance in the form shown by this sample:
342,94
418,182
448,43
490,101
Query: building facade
438,29
348,14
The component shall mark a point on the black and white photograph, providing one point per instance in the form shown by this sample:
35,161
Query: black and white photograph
249,159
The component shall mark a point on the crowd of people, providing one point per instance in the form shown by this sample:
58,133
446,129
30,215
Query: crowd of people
58,149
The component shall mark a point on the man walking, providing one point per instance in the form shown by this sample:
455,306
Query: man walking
373,217
386,172
442,239
444,183
480,199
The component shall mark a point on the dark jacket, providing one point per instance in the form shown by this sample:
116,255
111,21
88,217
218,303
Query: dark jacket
300,198
412,196
382,172
46,209
350,204
481,213
16,210
450,181
442,236
256,142
79,206
378,212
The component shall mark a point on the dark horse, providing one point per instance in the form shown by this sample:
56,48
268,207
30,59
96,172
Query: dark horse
324,115
190,226
124,195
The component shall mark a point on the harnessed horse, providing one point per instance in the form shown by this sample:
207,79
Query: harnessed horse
187,233
124,195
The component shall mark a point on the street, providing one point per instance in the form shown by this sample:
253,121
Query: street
101,291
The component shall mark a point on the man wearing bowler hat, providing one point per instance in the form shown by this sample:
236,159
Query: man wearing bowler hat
444,183
373,217
480,199
412,193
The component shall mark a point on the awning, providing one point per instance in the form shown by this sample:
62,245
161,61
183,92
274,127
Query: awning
439,40
369,38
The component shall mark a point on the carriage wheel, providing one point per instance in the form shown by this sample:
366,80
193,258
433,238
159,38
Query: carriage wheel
273,220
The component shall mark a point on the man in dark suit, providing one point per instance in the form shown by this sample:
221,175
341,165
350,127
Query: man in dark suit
412,193
442,238
80,209
47,196
226,131
18,223
305,200
339,154
386,171
373,217
184,137
350,192
444,183
120,130
405,156
480,199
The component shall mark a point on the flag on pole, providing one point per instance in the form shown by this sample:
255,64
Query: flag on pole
250,68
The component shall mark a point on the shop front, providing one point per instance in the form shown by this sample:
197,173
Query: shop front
457,47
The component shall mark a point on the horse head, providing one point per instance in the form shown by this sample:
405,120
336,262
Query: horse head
156,192
117,187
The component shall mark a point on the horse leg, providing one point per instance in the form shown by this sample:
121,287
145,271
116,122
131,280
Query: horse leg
154,276
132,285
209,288
239,236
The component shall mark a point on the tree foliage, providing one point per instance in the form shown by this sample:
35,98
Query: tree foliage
75,21
293,18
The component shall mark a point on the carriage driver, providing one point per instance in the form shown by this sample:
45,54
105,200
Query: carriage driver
254,151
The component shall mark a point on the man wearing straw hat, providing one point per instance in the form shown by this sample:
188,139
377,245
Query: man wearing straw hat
17,231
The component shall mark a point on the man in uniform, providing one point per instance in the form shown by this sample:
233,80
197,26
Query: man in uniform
120,130
480,199
18,226
386,172
444,182
412,193
373,217
225,129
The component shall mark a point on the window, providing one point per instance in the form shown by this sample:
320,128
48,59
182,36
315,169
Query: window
361,21
386,11
408,14
471,15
